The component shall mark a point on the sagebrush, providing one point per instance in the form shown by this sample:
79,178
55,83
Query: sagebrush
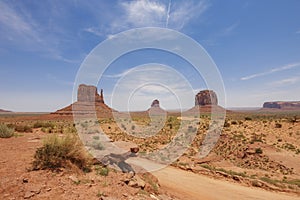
62,152
5,131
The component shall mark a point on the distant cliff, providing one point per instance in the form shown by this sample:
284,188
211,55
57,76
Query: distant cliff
1,110
284,105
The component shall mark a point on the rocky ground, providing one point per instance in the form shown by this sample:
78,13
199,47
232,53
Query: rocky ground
18,181
256,151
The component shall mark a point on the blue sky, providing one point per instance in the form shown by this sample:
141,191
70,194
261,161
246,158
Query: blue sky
255,45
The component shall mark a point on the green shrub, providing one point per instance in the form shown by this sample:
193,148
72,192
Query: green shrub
58,152
103,171
6,132
43,125
23,128
96,137
248,118
226,124
258,151
234,122
97,145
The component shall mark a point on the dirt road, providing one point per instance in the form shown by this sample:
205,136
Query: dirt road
188,185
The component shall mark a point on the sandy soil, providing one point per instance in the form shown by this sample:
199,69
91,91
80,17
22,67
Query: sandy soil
188,185
17,182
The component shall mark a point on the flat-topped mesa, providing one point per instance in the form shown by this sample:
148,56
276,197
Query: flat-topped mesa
206,97
285,105
89,93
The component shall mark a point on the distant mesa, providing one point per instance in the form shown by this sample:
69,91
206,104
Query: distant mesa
206,97
4,111
88,102
282,105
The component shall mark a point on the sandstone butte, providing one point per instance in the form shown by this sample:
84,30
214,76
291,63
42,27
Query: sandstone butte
88,102
282,105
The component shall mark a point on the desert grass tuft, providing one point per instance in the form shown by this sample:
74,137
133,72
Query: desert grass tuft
59,152
6,132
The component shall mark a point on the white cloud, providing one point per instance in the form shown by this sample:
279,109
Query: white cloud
181,13
278,69
153,13
144,13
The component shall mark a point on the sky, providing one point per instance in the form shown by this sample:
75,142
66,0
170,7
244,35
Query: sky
254,44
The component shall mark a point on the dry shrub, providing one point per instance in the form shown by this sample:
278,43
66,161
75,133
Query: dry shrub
62,152
6,132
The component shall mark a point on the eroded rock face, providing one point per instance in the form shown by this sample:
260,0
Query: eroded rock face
89,102
289,105
155,104
206,97
89,93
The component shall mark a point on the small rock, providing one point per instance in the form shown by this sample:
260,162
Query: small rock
107,198
256,183
48,189
74,179
25,180
28,195
236,178
154,197
137,182
35,189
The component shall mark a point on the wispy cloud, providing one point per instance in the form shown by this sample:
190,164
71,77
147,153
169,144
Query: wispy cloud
230,29
278,69
182,13
168,13
150,13
94,30
23,28
143,12
298,32
16,25
285,82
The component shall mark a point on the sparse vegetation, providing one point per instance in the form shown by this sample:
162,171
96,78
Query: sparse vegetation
57,152
23,128
6,132
278,125
97,145
258,151
248,118
40,124
100,170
